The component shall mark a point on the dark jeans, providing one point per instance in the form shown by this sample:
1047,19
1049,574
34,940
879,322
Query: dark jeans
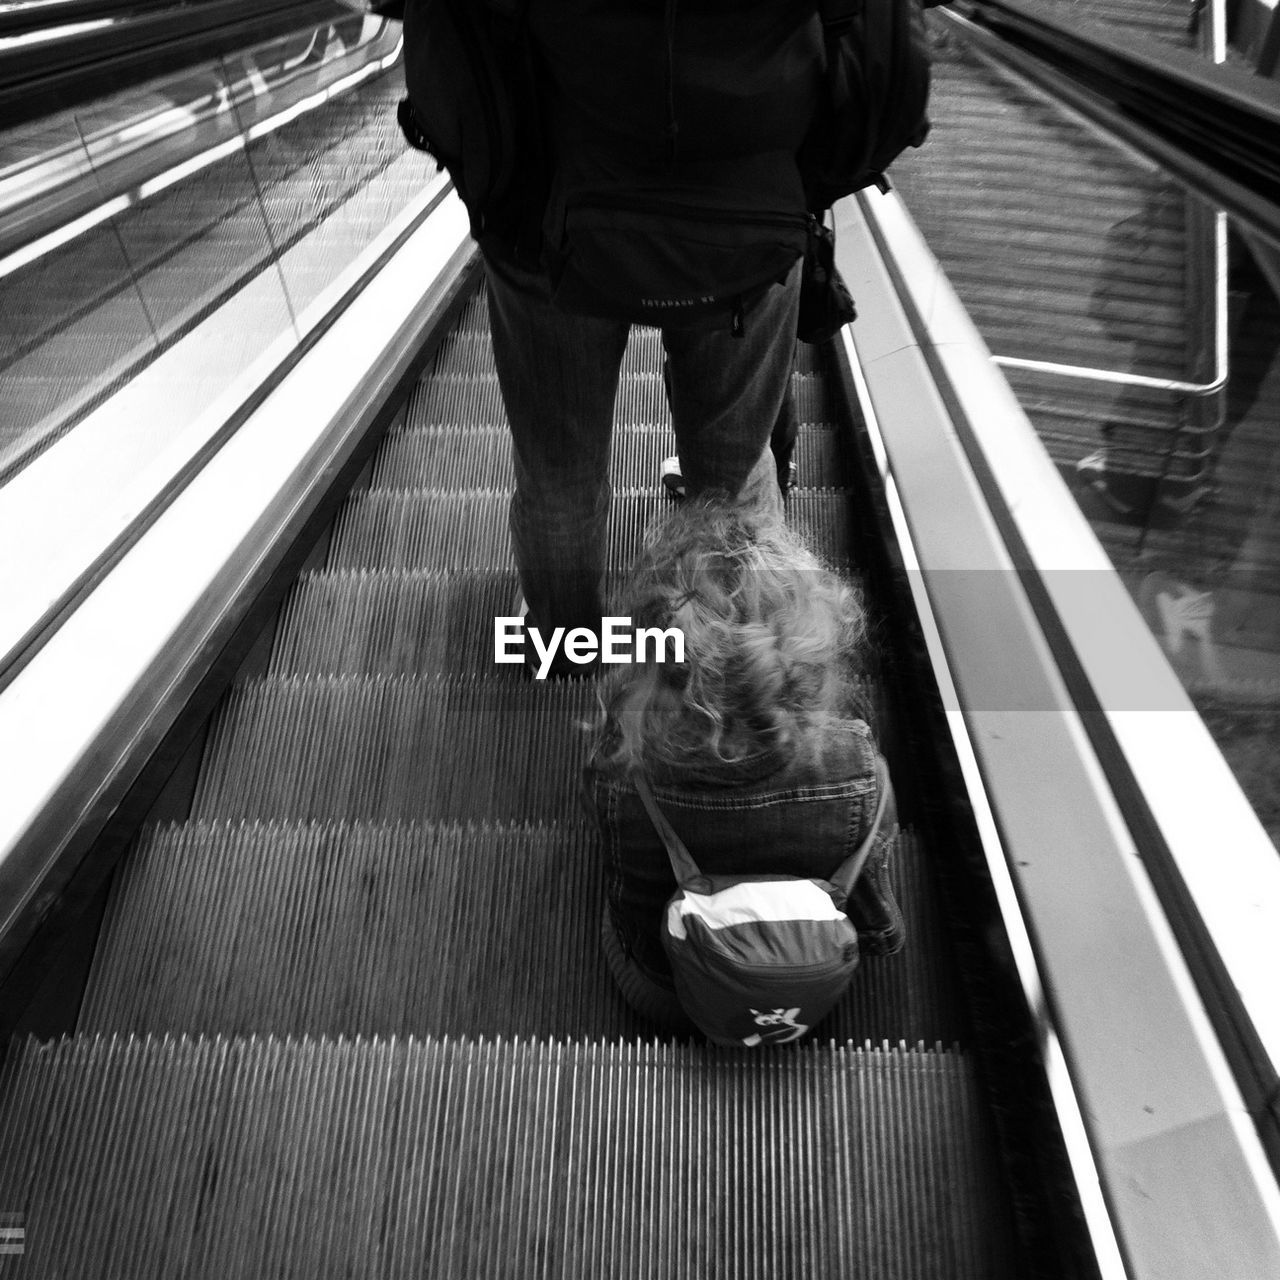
559,375
782,439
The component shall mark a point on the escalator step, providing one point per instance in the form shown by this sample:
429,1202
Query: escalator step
393,622
472,398
461,394
456,400
420,929
426,1158
451,529
457,457
387,840
397,749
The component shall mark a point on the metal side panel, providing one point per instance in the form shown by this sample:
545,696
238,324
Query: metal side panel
1156,1115
80,717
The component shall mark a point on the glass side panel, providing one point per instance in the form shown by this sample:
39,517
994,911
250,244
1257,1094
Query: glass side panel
1141,332
127,223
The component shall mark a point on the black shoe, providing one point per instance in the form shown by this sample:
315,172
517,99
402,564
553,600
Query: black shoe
672,480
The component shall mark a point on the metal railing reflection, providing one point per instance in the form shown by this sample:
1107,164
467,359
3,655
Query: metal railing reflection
124,223
1140,330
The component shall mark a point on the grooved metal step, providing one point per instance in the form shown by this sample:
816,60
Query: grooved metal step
341,928
393,622
386,840
529,1159
462,458
397,748
445,528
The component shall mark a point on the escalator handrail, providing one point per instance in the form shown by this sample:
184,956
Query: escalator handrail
1139,64
48,49
999,549
40,76
43,15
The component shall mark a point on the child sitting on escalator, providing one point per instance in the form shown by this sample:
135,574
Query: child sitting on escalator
757,743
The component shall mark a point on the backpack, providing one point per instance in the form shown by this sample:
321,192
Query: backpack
875,96
759,959
473,104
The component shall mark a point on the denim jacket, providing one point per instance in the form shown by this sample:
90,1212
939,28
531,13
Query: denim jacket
760,815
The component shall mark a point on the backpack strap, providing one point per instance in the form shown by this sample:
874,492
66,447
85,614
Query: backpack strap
688,874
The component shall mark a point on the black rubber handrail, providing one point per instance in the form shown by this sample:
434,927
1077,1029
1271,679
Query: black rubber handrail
67,69
46,15
1214,126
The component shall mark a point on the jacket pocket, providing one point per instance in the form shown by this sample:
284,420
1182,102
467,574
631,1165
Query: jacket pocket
663,262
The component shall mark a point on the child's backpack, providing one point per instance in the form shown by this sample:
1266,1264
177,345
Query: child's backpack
473,104
875,96
760,959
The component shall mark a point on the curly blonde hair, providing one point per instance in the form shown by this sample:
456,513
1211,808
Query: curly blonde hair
773,640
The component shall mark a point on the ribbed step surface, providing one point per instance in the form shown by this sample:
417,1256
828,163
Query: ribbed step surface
387,839
348,928
454,457
455,433
461,1159
394,622
444,528
394,748
469,397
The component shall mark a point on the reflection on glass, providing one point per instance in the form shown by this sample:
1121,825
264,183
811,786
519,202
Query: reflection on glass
1142,336
1215,598
126,223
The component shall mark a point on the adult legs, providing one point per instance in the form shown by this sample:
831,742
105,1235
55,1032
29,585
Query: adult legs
559,375
728,396
782,439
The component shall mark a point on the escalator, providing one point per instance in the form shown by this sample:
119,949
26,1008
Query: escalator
345,1011
357,996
